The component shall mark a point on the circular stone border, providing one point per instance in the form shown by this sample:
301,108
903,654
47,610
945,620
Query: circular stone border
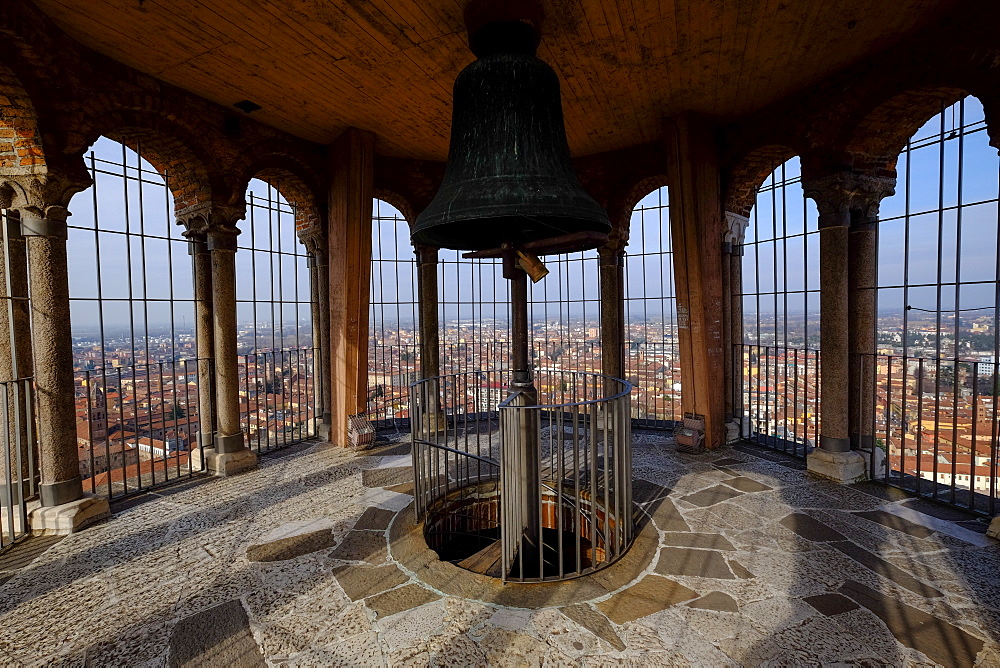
408,547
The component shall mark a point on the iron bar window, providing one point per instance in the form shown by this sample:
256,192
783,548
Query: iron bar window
134,349
393,345
274,322
652,355
935,414
779,355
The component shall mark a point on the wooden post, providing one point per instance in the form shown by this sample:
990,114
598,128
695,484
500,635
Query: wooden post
349,243
696,231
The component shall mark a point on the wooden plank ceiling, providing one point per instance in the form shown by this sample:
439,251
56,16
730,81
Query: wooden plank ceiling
318,66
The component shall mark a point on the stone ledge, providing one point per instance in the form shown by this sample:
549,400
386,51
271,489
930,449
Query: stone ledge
842,467
66,518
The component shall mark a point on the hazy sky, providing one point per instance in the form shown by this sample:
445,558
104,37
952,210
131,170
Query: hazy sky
161,266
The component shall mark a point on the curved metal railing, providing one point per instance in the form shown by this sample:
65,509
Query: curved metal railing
538,488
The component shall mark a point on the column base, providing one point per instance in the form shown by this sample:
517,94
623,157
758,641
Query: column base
224,464
842,467
994,530
66,518
323,432
733,430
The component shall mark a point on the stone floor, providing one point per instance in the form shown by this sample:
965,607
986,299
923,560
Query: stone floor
747,561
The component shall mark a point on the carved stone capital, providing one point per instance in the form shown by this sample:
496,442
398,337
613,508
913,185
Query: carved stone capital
315,243
735,229
425,254
611,254
838,195
42,197
209,219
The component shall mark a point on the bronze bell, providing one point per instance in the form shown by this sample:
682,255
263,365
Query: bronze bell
509,177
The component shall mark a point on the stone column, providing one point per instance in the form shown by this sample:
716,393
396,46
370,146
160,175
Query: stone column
844,200
732,276
204,336
862,276
229,454
62,505
319,274
612,275
20,457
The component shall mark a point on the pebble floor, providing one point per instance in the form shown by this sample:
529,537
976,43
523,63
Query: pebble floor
757,564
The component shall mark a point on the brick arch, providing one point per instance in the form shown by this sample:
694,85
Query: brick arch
21,150
398,202
876,140
172,150
622,204
298,193
742,181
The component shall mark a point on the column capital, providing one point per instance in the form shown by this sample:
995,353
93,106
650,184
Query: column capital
734,231
42,200
426,254
611,254
315,242
213,221
838,195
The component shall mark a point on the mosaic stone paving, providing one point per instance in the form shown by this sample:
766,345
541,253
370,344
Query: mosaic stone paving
750,562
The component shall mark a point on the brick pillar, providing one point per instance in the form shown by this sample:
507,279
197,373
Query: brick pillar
696,231
350,248
846,201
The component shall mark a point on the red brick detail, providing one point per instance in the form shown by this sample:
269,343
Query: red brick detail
303,198
20,142
408,185
741,182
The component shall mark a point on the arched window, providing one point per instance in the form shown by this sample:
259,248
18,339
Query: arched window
780,295
652,355
274,323
393,337
132,314
938,311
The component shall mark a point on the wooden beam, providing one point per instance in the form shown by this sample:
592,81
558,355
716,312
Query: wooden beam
350,251
696,231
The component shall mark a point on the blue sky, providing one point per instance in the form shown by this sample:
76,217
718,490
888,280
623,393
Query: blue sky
161,270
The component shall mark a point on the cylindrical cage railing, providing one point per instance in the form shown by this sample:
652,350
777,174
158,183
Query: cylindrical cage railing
526,493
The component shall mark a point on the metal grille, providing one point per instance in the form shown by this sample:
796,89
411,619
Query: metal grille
481,465
936,378
564,311
652,356
394,345
18,456
474,307
131,302
274,319
778,359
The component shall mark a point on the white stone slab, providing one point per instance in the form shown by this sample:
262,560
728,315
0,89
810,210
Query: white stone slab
941,526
